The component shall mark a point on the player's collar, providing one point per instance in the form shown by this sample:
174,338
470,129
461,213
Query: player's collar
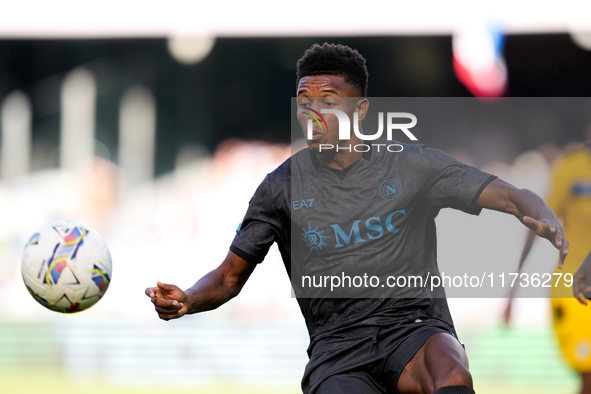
316,162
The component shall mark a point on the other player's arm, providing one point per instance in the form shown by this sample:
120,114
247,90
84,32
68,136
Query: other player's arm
558,200
529,241
582,281
529,208
214,289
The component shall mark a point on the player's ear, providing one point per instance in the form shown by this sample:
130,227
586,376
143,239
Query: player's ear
361,108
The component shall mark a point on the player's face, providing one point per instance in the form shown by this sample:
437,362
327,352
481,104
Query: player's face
325,92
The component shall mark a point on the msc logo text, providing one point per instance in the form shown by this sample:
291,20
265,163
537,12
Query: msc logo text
373,226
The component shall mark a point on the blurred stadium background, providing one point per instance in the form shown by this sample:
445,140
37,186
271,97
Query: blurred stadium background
156,126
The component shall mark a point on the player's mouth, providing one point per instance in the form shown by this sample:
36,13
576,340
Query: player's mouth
316,135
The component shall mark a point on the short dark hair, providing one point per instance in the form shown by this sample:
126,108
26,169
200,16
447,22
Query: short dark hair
334,59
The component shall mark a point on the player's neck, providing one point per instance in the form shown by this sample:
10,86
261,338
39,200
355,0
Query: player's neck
339,161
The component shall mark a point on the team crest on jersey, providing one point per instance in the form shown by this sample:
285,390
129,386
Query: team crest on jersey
314,238
390,189
582,188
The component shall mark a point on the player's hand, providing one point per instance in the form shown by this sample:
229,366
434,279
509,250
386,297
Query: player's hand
582,282
169,301
552,231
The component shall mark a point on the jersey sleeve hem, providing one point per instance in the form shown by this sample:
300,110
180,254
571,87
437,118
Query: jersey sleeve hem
246,256
473,208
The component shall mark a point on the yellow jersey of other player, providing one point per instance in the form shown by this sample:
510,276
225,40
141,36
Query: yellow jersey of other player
570,199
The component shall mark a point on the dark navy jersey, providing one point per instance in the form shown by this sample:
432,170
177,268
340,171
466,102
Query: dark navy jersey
378,220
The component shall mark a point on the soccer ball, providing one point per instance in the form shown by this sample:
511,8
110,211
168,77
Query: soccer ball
66,266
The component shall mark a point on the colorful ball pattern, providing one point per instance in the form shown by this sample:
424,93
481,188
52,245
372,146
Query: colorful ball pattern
66,266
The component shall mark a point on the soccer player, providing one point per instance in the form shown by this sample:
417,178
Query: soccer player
360,345
570,198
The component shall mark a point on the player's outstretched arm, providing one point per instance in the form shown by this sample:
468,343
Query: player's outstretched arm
211,291
529,208
582,281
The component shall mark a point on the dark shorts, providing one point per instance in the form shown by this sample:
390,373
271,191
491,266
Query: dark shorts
370,362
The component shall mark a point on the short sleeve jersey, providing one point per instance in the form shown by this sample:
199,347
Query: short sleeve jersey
379,218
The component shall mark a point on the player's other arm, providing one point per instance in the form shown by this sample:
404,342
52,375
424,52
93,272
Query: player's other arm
582,281
529,208
211,291
529,241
